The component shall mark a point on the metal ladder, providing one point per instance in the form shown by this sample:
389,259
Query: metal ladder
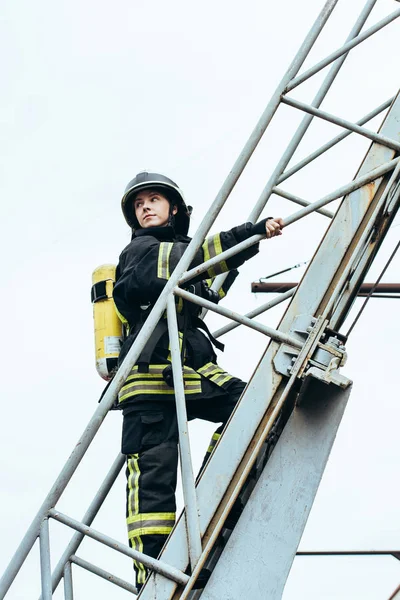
293,404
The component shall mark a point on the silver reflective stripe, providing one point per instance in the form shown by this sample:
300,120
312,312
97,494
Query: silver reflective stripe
159,523
163,260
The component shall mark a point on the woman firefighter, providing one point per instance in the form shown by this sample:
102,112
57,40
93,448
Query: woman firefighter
155,209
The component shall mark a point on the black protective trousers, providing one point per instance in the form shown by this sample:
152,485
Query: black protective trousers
150,441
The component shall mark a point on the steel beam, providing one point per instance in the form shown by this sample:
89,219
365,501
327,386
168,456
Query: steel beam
269,531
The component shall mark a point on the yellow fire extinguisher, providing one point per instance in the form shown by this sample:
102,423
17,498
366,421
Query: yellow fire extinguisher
108,329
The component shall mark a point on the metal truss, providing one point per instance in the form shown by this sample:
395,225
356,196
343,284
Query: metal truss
298,355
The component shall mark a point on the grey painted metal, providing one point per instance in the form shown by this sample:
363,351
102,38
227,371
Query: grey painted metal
298,200
230,314
87,519
88,566
322,114
68,585
188,485
348,226
45,567
343,50
157,565
325,147
257,311
108,399
370,177
230,458
274,518
301,130
226,459
366,248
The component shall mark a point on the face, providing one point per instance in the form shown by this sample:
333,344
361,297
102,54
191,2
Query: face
152,209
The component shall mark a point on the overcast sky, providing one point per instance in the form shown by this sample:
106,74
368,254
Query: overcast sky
92,93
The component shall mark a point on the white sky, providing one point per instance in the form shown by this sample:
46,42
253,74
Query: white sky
91,94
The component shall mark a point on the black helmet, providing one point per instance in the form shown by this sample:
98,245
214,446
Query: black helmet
156,181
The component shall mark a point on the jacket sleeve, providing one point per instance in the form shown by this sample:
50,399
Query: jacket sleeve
146,265
225,240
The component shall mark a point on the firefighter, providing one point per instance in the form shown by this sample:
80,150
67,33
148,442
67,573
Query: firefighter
155,209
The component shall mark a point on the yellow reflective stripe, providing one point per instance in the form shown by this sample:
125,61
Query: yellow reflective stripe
221,293
163,260
137,533
137,544
151,517
221,379
133,484
212,247
121,316
179,306
213,442
157,388
210,369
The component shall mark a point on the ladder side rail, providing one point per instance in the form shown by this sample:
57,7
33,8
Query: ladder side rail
317,112
367,249
45,567
68,583
188,483
347,46
301,130
353,185
156,565
87,519
349,221
331,143
88,566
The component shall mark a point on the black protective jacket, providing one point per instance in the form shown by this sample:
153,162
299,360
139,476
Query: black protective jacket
144,268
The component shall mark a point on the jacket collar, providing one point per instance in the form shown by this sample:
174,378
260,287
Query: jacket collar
163,234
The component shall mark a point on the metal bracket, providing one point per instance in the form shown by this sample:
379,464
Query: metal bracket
320,360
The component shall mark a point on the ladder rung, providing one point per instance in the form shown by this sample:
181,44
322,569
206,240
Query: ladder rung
104,574
156,565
